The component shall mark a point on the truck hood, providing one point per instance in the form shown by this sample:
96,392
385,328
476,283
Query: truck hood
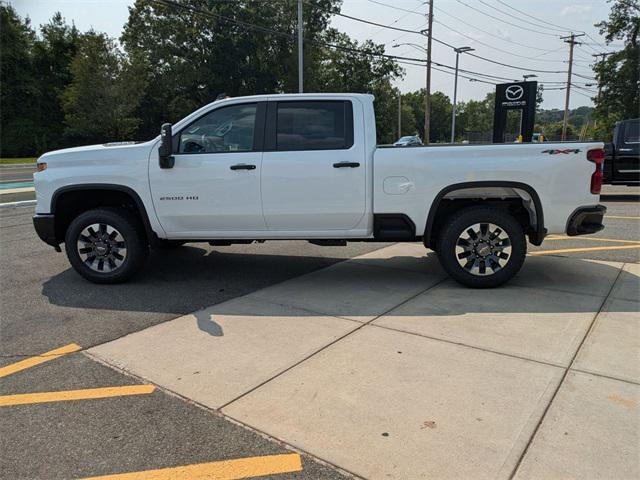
98,154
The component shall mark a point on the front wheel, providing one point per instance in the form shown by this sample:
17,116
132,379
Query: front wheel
482,247
106,245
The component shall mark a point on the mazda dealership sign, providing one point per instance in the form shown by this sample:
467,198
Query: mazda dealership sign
515,96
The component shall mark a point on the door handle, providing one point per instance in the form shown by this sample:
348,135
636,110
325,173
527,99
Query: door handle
242,166
346,165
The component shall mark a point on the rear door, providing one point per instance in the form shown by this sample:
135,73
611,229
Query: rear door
627,157
313,167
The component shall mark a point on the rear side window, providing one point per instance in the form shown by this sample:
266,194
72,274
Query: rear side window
314,125
632,132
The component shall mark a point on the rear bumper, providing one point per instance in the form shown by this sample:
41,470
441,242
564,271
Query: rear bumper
45,225
586,220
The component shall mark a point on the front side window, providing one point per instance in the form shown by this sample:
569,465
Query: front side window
314,125
226,129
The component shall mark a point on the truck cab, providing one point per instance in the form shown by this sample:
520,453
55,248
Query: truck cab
622,155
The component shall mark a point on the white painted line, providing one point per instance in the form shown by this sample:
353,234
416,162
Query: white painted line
17,190
24,203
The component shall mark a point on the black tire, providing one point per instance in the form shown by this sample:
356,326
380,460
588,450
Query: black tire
170,244
487,251
122,257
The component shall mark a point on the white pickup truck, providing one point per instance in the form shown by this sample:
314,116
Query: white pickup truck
307,167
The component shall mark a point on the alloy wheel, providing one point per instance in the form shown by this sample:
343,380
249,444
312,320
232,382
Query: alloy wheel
483,249
102,248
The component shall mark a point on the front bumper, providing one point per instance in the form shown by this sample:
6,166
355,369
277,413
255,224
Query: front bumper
45,225
586,220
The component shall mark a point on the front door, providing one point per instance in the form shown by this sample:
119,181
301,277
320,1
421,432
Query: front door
314,176
214,186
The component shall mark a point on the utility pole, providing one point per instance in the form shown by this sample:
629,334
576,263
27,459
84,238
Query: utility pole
300,49
427,97
455,91
604,56
571,40
399,114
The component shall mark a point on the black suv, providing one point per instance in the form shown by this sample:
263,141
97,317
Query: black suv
622,160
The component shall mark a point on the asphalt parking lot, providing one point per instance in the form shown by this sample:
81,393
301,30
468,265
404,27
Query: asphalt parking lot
401,374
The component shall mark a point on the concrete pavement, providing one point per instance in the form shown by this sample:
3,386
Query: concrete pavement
253,334
423,379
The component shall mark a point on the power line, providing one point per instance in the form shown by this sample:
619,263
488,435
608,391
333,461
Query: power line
396,8
357,19
584,76
361,20
483,78
491,46
504,21
247,25
528,15
515,66
377,32
488,33
563,30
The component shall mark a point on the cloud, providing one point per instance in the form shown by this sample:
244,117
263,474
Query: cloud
575,9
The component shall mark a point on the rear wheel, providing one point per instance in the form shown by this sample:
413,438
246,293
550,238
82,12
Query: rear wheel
482,247
106,245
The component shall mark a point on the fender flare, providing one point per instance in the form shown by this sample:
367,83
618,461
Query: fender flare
151,235
539,232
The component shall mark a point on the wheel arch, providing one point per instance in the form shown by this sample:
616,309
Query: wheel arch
69,201
487,192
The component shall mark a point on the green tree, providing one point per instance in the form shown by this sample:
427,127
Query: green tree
196,50
52,55
336,68
475,118
440,122
618,75
19,89
106,88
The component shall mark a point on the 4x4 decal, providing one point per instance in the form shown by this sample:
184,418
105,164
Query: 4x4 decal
556,151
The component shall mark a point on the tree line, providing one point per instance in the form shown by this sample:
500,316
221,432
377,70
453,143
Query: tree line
62,87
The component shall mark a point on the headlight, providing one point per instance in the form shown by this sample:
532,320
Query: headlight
41,166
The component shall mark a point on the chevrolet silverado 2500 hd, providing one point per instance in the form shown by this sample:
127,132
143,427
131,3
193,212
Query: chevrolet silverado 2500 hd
307,167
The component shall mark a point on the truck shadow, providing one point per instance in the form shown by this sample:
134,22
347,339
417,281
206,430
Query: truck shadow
191,278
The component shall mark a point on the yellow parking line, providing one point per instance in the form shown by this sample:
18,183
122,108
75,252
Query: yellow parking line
33,361
64,395
621,216
589,249
591,239
222,470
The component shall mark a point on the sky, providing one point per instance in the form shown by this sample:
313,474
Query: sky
523,34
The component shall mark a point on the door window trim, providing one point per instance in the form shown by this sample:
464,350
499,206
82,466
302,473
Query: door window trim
258,130
271,125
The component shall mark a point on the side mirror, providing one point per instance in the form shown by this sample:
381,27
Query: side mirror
165,151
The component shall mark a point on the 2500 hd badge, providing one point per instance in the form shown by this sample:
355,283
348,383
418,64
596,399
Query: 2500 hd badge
180,197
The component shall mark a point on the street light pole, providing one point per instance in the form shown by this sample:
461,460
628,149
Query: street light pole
455,91
300,49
